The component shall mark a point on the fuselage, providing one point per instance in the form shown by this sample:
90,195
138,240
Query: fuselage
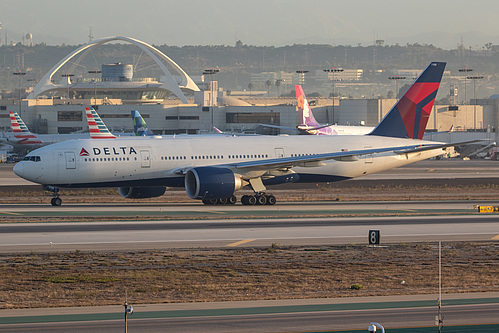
162,161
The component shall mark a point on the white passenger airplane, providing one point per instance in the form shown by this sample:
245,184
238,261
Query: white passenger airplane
212,168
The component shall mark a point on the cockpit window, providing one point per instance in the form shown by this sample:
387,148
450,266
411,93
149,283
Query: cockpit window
32,158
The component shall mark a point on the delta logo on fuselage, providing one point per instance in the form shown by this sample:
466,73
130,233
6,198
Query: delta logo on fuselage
109,151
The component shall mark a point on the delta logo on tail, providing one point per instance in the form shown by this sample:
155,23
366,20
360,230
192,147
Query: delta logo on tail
409,116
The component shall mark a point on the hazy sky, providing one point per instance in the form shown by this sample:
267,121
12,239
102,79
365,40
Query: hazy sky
256,22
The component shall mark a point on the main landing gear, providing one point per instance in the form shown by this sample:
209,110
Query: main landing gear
247,200
56,200
221,201
258,199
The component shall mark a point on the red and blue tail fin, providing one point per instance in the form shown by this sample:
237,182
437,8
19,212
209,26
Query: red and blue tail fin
97,128
409,116
306,117
21,131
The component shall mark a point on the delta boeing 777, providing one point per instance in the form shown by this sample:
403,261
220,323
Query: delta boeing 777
213,168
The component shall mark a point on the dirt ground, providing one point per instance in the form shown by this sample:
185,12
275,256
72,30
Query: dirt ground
203,275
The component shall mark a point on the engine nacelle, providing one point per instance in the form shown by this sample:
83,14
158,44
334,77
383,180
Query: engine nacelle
211,182
142,192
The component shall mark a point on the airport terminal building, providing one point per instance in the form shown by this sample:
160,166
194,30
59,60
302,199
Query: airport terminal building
174,103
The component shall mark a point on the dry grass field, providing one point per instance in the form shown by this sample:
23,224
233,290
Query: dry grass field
275,272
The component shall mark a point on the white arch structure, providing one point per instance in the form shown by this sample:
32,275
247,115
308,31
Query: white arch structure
46,84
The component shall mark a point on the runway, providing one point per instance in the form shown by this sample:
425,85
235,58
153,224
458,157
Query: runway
160,234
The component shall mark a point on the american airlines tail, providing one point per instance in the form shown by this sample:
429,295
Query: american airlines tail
140,127
306,117
409,116
21,131
97,128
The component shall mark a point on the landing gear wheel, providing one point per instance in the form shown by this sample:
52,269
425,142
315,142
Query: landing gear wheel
222,201
261,200
271,200
232,200
249,200
56,201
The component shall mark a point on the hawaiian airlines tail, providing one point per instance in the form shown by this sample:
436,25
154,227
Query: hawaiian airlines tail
306,117
409,116
140,127
98,130
21,131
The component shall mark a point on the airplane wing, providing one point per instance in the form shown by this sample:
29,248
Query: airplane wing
280,127
437,146
313,128
316,160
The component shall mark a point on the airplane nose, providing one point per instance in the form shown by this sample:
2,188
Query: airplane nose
19,169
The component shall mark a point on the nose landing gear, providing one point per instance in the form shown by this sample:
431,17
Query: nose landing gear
56,200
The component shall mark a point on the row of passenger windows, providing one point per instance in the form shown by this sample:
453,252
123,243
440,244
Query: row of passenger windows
213,157
164,158
296,155
109,159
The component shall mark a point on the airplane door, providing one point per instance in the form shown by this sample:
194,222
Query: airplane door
369,157
279,152
145,159
70,160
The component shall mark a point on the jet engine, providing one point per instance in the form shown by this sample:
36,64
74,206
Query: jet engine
142,192
211,183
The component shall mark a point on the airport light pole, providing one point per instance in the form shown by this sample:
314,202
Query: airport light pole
333,70
465,70
20,74
396,78
68,76
211,71
474,78
301,78
95,71
278,85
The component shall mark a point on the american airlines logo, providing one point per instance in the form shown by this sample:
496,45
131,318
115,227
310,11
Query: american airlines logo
109,151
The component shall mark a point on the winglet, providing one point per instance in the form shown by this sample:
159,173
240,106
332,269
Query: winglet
140,127
409,116
97,128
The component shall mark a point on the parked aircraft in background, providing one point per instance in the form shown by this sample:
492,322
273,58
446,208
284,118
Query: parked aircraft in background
310,126
212,168
23,140
140,127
